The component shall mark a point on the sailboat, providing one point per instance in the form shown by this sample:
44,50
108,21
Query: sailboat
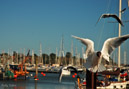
118,84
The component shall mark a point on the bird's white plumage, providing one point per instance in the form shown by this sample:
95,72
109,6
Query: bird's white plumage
112,43
89,43
65,71
93,62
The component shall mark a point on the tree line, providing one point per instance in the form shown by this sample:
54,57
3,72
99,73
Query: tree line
46,59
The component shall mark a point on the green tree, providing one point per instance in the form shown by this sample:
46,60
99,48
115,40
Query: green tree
45,58
68,57
15,56
52,58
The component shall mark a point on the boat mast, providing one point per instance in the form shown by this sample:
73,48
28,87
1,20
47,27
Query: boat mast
61,54
32,62
56,56
120,5
72,53
124,57
41,58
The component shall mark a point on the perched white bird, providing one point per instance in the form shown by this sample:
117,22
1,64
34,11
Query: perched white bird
94,59
111,15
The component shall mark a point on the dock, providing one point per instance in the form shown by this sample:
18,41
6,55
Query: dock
2,76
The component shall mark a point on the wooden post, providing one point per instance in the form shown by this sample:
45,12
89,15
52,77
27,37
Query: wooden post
35,84
36,67
90,80
95,81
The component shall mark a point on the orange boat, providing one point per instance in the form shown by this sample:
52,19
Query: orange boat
22,72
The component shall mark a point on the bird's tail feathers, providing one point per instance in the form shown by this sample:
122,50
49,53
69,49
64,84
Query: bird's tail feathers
95,69
105,57
88,66
101,68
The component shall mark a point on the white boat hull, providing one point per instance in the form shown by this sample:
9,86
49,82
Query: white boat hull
66,72
115,85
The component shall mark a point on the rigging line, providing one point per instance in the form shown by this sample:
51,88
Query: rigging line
125,46
117,8
125,52
103,24
100,36
125,30
115,27
108,5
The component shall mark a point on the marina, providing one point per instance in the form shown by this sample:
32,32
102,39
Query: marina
57,45
50,81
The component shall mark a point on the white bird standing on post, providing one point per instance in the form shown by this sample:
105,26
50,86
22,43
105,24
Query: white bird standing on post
94,59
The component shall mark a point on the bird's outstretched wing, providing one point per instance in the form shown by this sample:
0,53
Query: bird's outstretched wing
110,15
112,43
73,68
117,18
102,16
60,74
88,43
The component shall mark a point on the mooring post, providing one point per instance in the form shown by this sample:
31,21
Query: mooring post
36,67
90,80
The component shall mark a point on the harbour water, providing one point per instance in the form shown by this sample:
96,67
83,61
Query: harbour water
50,81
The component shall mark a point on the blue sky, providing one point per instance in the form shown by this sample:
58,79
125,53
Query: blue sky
27,23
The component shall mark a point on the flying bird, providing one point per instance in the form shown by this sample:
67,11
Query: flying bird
94,58
111,15
122,11
66,71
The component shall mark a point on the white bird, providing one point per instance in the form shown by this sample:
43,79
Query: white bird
65,71
111,15
94,59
